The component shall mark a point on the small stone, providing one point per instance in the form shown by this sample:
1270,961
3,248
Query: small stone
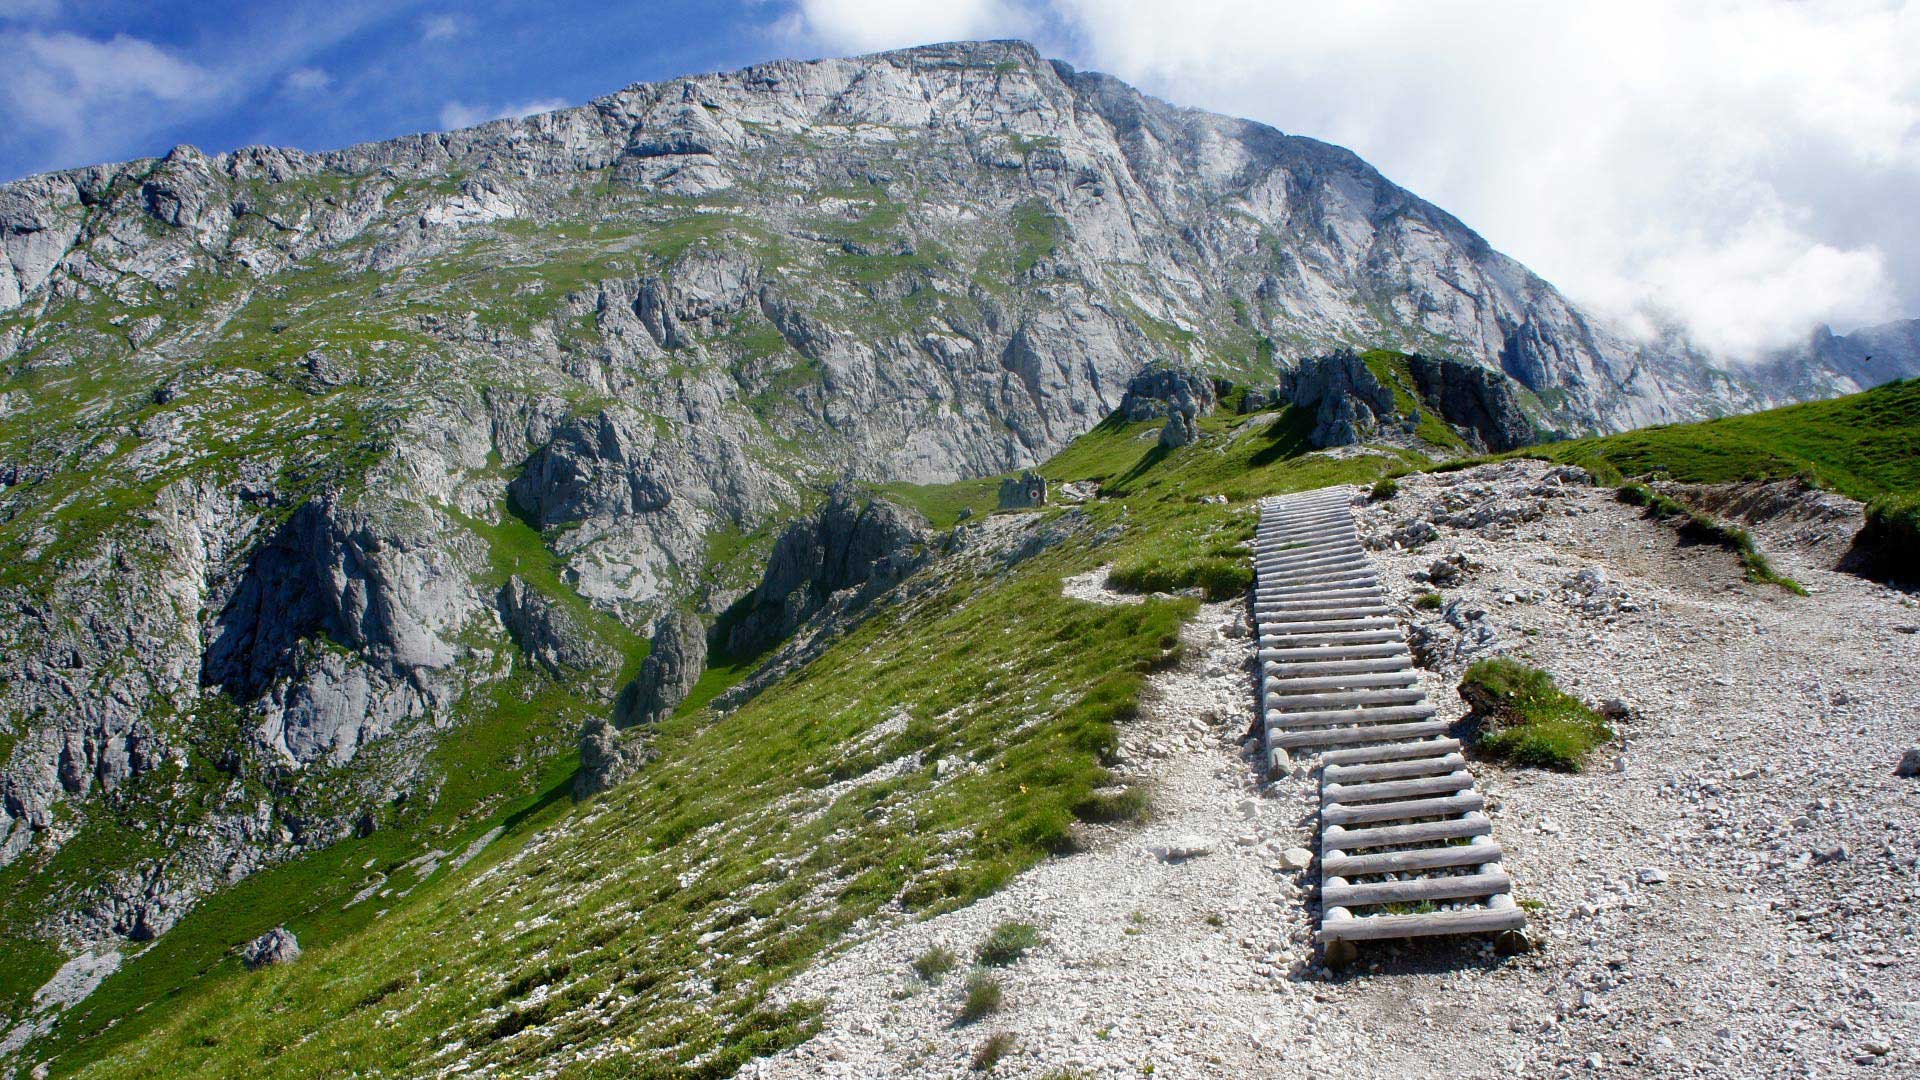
1834,854
1279,763
1296,858
1652,875
1909,763
1249,808
1190,846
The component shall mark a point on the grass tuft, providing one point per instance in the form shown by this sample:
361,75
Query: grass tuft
997,1045
1007,943
1526,719
1383,489
985,994
1429,601
933,965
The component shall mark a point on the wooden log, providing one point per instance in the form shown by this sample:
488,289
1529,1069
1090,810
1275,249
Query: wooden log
1399,862
1332,626
1404,810
1392,752
1298,640
1301,737
1384,716
1334,652
1278,705
1422,832
1350,794
1391,770
1450,887
1290,685
1276,669
1381,927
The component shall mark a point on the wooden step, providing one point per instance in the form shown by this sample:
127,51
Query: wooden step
1392,752
1391,770
1282,707
1276,669
1402,810
1400,862
1380,636
1307,737
1402,678
1381,927
1338,838
1444,784
1312,653
1293,719
1333,626
1448,887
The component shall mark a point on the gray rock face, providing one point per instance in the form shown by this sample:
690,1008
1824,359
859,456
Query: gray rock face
549,634
1024,492
1478,402
673,665
276,946
1167,391
1349,403
844,546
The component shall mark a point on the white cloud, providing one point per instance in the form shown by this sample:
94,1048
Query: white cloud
459,114
76,89
1744,166
869,25
441,28
308,80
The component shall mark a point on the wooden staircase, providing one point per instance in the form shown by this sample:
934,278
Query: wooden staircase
1406,849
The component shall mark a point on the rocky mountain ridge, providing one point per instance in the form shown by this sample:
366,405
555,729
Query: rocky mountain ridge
308,457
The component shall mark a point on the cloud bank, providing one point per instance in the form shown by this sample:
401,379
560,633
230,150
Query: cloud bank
1744,169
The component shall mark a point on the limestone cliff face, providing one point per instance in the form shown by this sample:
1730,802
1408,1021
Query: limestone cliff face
266,416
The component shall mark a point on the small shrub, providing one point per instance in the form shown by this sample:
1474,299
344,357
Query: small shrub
1008,943
1525,718
984,996
1429,601
1383,489
934,964
1890,538
997,1045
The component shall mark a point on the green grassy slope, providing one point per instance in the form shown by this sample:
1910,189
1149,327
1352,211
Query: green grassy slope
1861,445
653,922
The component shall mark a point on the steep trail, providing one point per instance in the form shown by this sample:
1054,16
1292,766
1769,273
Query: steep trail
1403,836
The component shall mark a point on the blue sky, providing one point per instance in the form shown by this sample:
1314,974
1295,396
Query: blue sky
113,80
1745,169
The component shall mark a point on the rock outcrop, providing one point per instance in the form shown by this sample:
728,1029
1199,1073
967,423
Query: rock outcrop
1350,404
1480,403
1023,492
668,674
276,946
843,547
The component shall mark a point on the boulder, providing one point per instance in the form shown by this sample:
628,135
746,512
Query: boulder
276,946
1160,390
1024,492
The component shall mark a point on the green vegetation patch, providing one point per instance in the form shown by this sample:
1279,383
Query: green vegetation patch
1008,942
1526,719
1861,446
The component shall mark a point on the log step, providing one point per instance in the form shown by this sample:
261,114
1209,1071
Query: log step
1291,739
1392,752
1381,927
1399,862
1391,770
1451,887
1445,784
1423,832
1396,717
1403,810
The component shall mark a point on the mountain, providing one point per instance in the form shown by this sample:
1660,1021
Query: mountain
342,490
1830,364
